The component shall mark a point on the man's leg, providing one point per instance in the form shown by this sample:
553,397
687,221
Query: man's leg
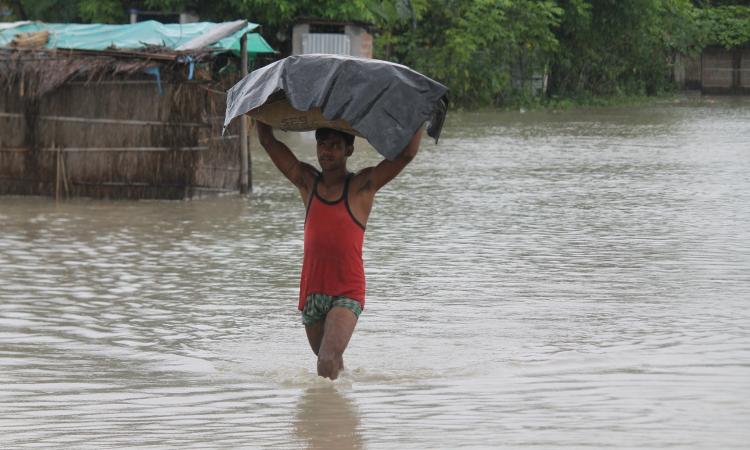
314,316
337,330
315,335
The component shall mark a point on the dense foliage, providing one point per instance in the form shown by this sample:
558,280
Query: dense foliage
726,25
484,50
475,46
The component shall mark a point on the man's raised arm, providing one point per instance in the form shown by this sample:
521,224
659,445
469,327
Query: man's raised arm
297,172
380,175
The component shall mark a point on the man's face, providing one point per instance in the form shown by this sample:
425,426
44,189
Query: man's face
332,152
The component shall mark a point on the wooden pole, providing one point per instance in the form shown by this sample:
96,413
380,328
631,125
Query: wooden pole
249,160
215,34
57,175
64,175
244,151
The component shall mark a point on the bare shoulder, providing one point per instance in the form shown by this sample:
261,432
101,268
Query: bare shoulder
309,174
373,178
362,180
309,169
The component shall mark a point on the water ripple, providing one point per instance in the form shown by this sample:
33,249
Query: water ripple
567,279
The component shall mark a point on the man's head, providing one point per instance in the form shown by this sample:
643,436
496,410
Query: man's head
324,133
333,147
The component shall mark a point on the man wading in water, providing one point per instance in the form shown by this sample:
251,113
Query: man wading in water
332,289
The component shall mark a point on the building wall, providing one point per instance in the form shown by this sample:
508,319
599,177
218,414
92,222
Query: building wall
298,31
687,72
716,71
717,68
360,42
744,81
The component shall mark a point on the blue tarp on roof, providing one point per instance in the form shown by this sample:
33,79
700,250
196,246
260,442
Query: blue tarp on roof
133,36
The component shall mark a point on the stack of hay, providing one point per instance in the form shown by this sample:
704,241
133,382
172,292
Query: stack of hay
32,39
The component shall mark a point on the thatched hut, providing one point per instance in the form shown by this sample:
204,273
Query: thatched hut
124,120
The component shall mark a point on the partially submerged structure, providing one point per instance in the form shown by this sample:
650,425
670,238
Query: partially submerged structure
717,70
121,111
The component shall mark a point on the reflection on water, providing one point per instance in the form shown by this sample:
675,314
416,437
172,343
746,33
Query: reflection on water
327,420
557,279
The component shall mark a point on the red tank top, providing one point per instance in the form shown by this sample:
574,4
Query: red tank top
332,264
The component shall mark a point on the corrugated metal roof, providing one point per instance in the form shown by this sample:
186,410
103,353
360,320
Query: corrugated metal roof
336,44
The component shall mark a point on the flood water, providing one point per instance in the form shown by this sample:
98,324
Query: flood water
574,279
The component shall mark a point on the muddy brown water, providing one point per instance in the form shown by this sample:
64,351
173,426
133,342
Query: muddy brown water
537,280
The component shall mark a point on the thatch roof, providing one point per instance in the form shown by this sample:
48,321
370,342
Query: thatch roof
36,72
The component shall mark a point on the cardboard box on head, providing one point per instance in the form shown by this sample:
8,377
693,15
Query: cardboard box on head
278,113
385,102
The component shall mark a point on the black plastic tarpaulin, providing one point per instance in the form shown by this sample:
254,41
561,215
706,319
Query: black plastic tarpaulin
383,102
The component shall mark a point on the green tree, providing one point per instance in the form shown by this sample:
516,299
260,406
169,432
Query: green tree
101,11
728,26
472,45
614,47
276,16
64,11
476,47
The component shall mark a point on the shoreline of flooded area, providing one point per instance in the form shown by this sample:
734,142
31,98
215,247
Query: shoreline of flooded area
550,279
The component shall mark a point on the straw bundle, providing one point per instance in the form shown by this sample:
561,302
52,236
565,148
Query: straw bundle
32,39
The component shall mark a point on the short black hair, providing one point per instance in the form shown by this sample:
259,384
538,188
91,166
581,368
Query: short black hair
322,133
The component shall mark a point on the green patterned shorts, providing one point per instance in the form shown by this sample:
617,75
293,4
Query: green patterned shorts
317,306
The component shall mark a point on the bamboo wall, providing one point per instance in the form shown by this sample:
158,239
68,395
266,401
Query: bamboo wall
117,139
